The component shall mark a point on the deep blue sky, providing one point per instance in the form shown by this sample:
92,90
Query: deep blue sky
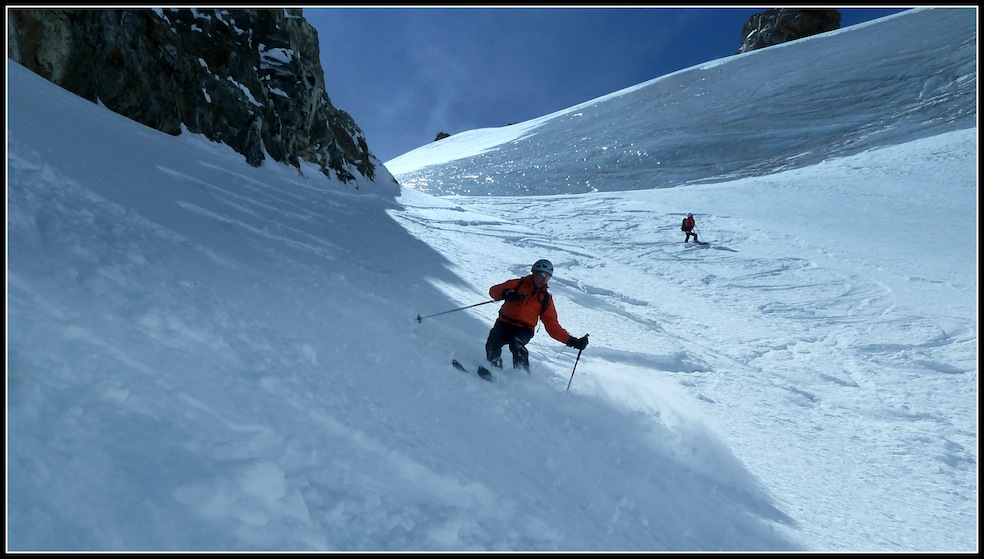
406,74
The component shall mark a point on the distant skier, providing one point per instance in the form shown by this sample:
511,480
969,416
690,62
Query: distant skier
526,301
688,226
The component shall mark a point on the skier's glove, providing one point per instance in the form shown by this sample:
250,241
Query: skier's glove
578,343
513,295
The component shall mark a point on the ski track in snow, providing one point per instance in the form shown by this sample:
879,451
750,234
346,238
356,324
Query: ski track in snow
836,369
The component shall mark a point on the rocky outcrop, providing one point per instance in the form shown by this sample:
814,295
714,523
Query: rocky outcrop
251,79
780,25
441,136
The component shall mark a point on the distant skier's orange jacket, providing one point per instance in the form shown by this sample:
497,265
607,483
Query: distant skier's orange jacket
537,305
688,224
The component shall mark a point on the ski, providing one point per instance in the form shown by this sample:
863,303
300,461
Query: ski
484,373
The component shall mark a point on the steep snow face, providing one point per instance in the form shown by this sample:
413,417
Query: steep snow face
904,77
204,355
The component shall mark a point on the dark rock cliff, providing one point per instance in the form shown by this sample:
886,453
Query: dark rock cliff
780,25
251,79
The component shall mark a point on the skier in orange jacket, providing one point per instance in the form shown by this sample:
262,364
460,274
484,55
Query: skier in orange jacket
526,302
688,226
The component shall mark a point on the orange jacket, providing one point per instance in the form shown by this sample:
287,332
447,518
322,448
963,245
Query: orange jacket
537,305
688,224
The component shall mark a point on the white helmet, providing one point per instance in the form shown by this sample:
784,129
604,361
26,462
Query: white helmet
543,266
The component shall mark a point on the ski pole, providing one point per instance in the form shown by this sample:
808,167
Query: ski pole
419,318
574,369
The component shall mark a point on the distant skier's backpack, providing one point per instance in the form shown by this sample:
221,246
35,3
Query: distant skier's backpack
683,224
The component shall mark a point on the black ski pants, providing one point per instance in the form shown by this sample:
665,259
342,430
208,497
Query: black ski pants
516,336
